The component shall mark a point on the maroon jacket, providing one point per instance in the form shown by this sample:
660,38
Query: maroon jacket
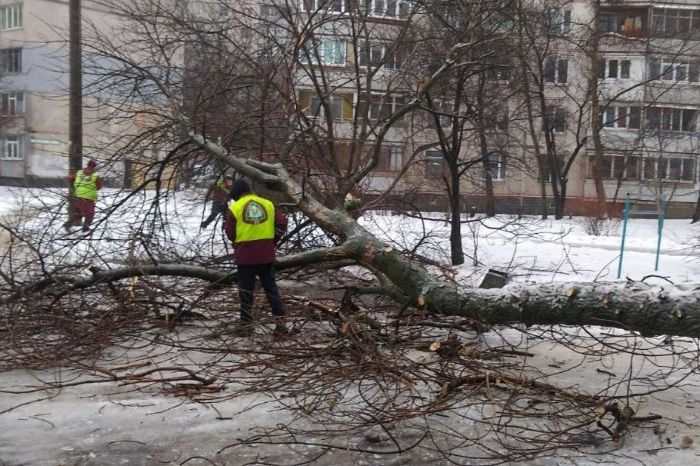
261,251
218,192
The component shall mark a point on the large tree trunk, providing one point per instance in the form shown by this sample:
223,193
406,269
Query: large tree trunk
634,306
696,214
596,117
456,251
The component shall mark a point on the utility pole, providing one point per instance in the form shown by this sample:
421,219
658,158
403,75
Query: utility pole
75,104
75,112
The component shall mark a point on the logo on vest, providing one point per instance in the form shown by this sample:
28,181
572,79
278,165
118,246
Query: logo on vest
254,213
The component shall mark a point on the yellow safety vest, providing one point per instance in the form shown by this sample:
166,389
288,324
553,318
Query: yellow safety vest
255,218
85,186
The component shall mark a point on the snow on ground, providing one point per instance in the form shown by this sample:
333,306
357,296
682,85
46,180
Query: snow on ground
104,424
548,250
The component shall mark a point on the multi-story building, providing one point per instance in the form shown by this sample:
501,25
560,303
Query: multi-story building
34,141
355,64
649,70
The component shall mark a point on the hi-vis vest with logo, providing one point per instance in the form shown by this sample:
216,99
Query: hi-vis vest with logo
85,186
255,218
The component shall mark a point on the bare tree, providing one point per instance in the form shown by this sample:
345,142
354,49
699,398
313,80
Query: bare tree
351,367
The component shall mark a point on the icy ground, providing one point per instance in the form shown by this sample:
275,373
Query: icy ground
105,424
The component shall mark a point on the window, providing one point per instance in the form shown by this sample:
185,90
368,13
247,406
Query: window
390,158
339,105
559,21
619,167
379,55
11,16
12,147
621,117
380,107
497,165
669,169
386,8
498,21
433,164
672,21
11,60
668,69
325,52
444,113
622,22
498,72
613,69
554,120
396,158
269,13
500,117
671,119
331,6
12,103
556,70
335,106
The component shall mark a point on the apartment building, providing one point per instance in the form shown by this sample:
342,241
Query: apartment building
352,75
34,142
650,80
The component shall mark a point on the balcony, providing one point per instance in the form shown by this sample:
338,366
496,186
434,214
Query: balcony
625,21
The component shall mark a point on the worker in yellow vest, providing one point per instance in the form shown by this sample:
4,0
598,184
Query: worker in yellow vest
86,183
255,226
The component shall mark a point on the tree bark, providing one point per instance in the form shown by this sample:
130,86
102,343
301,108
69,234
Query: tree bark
456,251
633,306
596,117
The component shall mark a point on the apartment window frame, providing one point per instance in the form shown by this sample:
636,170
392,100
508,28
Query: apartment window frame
434,164
619,166
326,6
674,70
390,158
444,111
380,106
11,147
335,106
11,16
498,21
668,22
559,21
269,12
554,119
672,119
662,169
499,73
500,117
391,9
380,55
628,23
12,103
396,154
621,117
614,68
337,56
555,70
11,60
496,165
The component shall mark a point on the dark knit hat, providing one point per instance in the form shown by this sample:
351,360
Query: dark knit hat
238,189
92,164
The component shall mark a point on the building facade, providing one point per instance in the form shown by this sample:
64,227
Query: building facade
34,141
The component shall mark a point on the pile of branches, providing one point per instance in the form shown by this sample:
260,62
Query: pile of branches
360,373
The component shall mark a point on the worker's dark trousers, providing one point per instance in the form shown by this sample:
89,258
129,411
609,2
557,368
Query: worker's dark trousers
217,208
246,287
